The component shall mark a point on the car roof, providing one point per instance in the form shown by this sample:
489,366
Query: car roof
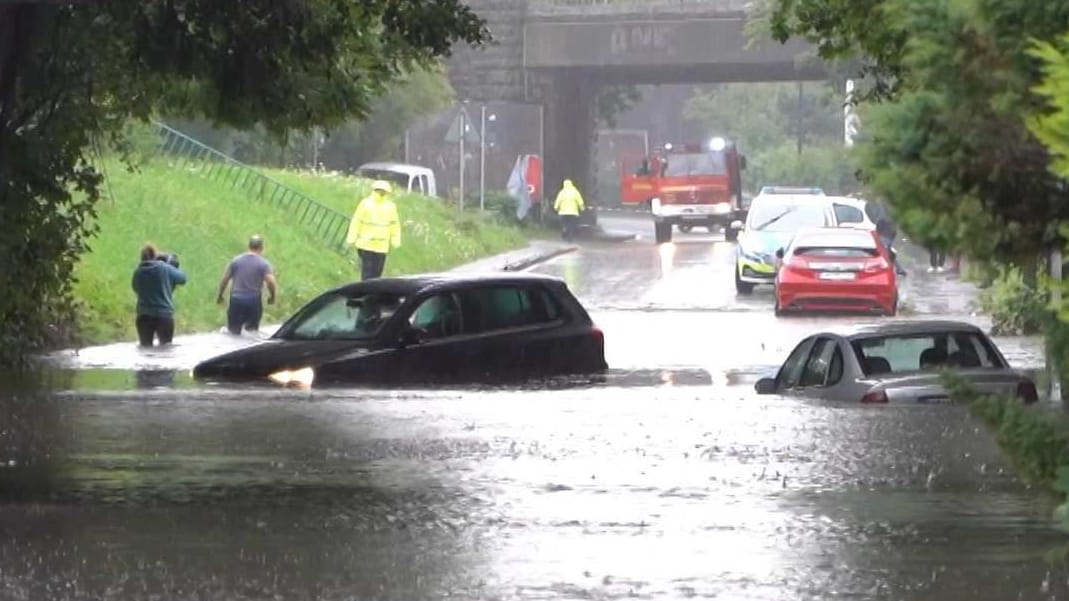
840,234
409,285
398,167
788,199
793,190
903,328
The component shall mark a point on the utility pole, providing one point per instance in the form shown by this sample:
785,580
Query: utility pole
1056,300
798,119
463,126
482,158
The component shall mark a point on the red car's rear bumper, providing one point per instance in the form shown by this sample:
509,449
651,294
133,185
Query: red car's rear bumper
837,297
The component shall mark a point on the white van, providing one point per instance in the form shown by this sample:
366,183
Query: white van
410,178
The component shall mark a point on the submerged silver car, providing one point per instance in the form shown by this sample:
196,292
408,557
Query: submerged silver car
896,362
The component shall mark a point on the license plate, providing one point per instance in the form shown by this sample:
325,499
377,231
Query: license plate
837,276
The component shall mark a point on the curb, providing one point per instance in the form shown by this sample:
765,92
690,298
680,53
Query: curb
542,257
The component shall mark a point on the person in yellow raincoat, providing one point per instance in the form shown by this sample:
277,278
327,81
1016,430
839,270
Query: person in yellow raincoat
374,229
569,205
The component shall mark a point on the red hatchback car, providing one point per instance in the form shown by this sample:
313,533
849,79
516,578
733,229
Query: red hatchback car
836,269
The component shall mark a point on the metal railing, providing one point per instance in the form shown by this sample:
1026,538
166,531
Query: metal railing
573,8
327,223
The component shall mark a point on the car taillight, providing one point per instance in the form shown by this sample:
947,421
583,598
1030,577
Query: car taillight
876,396
1026,391
880,264
597,335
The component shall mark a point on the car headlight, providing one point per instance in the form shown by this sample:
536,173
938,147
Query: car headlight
750,255
298,377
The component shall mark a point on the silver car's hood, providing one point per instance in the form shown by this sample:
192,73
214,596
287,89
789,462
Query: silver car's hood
928,386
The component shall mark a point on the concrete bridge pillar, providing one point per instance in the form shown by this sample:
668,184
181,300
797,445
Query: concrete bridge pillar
570,125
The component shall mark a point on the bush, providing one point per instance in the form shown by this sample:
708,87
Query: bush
1034,437
1015,306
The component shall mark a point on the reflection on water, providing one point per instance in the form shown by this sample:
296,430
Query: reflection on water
578,492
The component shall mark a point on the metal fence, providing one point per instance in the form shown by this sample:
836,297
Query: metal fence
480,161
328,224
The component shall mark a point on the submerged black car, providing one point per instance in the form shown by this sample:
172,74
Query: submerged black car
428,328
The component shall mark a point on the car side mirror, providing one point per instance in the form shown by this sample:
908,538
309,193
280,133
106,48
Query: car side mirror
779,253
736,225
765,386
410,337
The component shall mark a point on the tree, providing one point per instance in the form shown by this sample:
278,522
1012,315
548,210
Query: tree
791,133
72,74
1052,126
947,145
378,136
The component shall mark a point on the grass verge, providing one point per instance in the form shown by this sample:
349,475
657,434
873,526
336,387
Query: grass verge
1035,438
207,223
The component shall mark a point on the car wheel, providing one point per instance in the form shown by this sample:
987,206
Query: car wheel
662,232
730,234
684,228
740,286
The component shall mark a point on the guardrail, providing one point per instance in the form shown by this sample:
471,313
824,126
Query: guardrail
572,8
327,223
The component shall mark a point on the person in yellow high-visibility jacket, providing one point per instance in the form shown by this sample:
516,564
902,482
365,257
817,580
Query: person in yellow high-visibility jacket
569,205
374,229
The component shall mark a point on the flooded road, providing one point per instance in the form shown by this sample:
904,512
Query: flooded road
667,479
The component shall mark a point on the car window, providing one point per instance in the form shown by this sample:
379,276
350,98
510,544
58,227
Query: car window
791,371
848,214
502,307
424,186
918,352
439,316
818,364
343,317
394,177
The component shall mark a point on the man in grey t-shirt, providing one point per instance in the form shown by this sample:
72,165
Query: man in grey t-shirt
248,272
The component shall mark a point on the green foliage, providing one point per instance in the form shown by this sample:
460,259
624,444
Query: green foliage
611,101
75,73
791,133
1052,127
950,150
1016,306
848,29
207,223
1035,438
379,136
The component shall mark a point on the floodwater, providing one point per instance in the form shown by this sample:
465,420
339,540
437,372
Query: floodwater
668,478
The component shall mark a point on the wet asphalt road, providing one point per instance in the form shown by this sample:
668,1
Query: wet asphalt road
670,480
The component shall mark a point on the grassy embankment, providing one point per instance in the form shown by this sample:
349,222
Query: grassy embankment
1035,438
207,223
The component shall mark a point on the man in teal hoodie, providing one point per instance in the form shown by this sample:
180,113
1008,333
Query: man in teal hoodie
154,282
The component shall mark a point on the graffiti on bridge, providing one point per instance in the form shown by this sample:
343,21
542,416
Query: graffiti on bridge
642,38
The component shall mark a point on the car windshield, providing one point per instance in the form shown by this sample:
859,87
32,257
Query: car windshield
698,163
338,316
783,217
922,352
394,177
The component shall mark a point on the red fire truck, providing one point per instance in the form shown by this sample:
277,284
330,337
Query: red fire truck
687,186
